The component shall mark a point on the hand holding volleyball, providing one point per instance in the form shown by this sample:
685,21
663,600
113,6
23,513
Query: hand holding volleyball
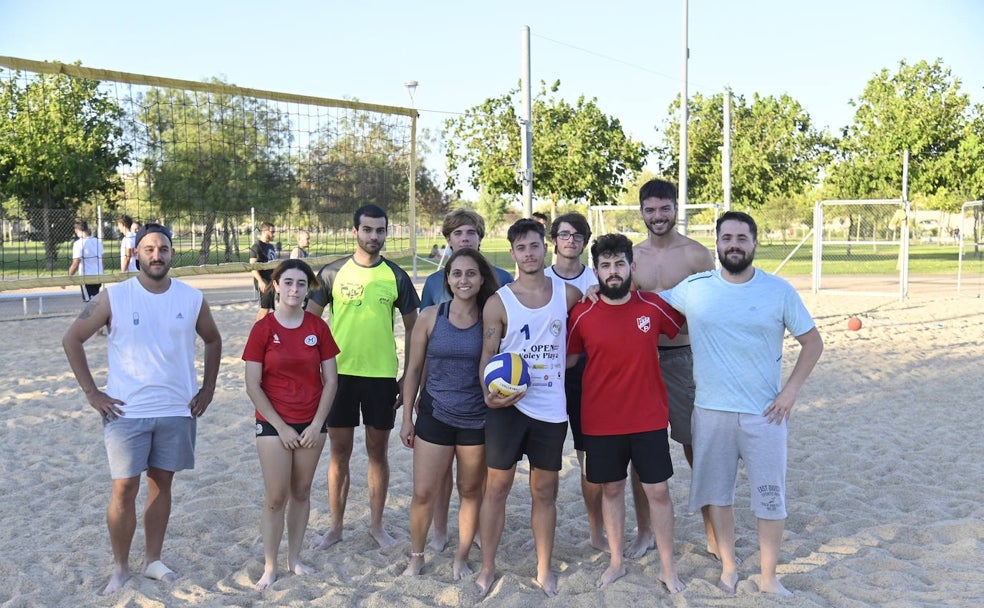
506,374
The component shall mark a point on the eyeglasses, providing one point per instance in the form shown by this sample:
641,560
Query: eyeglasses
566,236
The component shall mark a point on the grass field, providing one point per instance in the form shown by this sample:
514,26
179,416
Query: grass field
26,260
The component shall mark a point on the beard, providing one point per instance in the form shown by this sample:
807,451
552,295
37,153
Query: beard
370,246
737,266
666,228
615,291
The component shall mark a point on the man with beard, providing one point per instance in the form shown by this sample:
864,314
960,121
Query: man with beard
624,413
152,400
361,291
737,319
664,259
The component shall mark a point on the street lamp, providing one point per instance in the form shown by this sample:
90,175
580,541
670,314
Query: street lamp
411,86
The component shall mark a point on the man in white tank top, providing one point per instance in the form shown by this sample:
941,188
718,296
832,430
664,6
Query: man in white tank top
529,317
152,399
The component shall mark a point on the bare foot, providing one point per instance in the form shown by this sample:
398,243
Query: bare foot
484,582
415,565
673,584
268,578
775,587
382,538
599,541
728,583
330,538
460,569
548,583
439,542
610,576
300,568
116,580
642,544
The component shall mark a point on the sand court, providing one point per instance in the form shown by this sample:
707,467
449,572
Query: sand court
884,488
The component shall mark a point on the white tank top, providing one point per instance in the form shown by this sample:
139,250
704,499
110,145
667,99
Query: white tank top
540,336
151,348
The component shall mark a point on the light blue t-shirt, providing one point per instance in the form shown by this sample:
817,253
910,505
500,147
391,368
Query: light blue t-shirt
736,334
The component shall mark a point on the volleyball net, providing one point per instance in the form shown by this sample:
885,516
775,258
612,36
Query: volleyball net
210,160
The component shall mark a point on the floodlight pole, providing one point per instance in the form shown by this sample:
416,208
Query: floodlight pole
411,86
726,151
684,117
526,125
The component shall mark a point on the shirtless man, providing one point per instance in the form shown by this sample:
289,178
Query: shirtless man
663,260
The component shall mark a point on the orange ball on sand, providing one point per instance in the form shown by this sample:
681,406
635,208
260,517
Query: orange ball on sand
854,323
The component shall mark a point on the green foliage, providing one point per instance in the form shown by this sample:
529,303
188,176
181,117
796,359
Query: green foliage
209,152
777,154
492,207
579,153
60,146
918,108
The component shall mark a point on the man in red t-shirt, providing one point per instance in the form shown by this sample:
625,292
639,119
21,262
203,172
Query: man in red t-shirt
624,411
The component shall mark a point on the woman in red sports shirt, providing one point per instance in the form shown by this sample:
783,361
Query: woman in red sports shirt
291,377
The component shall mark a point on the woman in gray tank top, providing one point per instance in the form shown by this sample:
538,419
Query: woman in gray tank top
450,411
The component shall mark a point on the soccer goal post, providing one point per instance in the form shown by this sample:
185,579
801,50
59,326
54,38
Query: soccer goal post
861,243
969,235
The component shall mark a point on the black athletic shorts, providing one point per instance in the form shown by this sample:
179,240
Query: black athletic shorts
572,388
509,433
432,430
607,457
374,398
265,429
268,297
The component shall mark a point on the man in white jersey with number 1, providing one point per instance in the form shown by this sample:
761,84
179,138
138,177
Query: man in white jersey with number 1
528,317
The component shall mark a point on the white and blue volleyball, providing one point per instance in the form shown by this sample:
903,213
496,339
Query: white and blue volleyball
507,373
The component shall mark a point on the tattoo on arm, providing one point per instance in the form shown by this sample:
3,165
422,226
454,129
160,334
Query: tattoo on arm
88,310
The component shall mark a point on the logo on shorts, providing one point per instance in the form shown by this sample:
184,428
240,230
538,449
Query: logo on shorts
311,340
259,428
643,323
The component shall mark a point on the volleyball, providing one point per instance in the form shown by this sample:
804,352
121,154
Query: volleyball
507,373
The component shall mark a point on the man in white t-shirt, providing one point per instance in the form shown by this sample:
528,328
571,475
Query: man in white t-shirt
87,258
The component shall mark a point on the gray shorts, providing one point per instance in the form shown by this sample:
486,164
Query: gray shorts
135,444
677,366
720,440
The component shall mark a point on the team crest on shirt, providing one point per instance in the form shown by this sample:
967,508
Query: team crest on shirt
644,324
311,340
276,339
555,326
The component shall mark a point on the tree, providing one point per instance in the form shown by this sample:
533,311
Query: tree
918,108
61,143
209,152
776,151
579,153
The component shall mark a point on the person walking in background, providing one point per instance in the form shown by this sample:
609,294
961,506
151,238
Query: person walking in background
624,413
737,318
527,317
128,261
152,400
361,292
664,259
291,378
87,258
303,242
451,420
260,252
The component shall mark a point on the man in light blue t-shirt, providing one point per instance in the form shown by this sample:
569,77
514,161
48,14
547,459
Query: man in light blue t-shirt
738,317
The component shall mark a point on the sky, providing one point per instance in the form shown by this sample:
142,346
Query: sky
626,53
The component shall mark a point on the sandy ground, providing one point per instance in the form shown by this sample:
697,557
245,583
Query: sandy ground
885,475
